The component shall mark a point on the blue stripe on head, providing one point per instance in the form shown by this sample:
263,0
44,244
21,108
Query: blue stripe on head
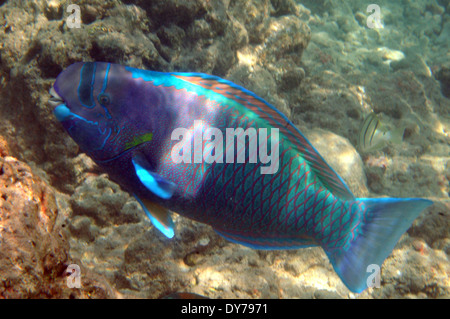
87,78
105,82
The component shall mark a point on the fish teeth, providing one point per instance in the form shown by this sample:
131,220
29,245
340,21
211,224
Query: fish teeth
53,92
55,100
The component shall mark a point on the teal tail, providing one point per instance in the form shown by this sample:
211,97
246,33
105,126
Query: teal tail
385,221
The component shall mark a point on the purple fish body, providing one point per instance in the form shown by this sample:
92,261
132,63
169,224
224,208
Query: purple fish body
137,125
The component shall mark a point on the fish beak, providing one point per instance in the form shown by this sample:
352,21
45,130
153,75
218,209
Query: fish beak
55,100
61,110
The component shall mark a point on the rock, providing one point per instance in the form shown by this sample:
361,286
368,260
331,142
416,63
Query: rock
253,15
4,150
325,294
54,10
341,155
180,12
443,76
424,276
103,202
284,7
292,79
194,258
34,255
172,36
412,62
434,225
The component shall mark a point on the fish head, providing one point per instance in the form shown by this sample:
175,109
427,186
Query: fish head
101,108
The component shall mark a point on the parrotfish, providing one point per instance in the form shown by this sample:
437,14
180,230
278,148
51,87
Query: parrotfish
138,124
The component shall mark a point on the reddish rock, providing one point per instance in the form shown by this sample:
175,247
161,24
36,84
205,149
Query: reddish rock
4,150
33,253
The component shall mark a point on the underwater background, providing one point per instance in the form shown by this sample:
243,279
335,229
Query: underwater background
317,61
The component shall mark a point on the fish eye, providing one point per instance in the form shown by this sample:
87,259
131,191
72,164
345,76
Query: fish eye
103,99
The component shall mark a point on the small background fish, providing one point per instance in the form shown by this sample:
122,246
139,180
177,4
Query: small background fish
373,135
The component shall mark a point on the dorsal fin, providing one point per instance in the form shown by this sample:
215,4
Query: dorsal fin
264,110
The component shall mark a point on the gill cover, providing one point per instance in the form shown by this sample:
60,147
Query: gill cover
83,90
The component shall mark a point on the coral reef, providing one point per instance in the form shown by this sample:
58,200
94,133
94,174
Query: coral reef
316,61
34,256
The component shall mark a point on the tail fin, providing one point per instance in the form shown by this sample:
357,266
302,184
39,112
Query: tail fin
397,135
385,221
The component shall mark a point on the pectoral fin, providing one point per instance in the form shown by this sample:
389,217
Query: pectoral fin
155,183
159,216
